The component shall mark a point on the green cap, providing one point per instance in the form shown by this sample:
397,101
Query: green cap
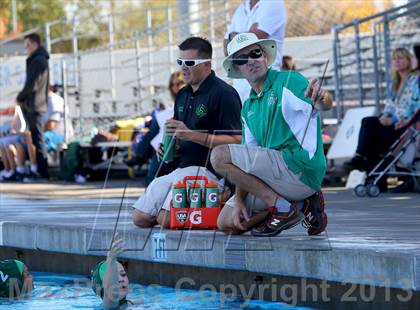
97,276
10,269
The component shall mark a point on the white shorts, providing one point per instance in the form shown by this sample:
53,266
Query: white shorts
158,194
269,166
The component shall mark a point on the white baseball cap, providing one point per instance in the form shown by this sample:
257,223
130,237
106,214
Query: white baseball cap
242,40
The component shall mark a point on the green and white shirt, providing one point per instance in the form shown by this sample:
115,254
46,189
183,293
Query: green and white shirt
276,119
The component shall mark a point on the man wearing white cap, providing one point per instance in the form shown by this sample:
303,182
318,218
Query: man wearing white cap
268,20
279,167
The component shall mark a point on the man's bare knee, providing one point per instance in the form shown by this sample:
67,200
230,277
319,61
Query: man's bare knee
143,220
164,219
219,156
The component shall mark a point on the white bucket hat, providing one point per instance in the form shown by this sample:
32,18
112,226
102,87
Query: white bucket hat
241,41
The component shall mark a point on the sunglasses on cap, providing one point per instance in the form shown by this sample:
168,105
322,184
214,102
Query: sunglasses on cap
191,62
243,58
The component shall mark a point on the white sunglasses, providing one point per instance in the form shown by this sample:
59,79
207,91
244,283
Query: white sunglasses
191,62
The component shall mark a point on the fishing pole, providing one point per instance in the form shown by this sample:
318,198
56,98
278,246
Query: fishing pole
118,216
314,103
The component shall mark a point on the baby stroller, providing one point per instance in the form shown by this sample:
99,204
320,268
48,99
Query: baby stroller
405,146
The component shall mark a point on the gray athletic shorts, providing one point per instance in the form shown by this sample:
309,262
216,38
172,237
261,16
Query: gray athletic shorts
269,166
158,194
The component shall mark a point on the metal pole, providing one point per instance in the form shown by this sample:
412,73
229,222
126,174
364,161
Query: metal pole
375,65
170,40
14,16
211,27
65,98
75,48
336,42
111,56
211,20
80,91
139,75
358,61
227,16
150,50
47,38
388,78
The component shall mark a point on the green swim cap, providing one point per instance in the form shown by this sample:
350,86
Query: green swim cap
97,276
11,274
20,266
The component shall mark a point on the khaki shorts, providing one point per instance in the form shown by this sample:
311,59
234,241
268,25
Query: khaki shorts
158,194
269,166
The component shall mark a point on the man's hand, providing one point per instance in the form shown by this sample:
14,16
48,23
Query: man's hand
178,129
320,97
239,214
385,120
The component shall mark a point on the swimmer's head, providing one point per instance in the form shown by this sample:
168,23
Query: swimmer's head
98,274
15,279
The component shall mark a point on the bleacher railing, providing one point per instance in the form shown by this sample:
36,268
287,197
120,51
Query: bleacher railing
365,58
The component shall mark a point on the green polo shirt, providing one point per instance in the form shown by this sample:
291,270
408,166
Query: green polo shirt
276,119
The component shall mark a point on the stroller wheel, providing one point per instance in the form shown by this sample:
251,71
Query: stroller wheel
373,190
360,190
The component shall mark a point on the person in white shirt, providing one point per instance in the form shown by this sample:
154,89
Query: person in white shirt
265,18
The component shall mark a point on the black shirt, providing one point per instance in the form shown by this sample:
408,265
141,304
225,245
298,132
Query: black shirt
215,108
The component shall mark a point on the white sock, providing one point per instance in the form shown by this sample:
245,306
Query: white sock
282,205
34,168
9,173
20,169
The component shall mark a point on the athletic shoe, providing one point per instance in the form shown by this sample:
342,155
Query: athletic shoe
316,219
276,222
31,177
15,177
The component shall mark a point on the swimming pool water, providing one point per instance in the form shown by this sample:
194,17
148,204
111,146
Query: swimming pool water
57,292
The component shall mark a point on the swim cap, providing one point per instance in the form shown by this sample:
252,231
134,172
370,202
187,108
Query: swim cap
97,276
11,274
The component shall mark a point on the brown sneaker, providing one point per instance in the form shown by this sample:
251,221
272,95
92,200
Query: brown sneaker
277,222
316,219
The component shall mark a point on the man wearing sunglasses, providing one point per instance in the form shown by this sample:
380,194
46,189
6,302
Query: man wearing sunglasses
279,167
206,114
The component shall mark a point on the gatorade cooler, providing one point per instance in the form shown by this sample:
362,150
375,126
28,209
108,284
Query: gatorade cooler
187,215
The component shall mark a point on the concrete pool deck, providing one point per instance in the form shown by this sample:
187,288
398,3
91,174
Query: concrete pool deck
369,241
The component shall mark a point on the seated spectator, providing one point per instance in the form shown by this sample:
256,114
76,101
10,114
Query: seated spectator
144,150
288,63
15,279
279,167
378,133
206,114
53,126
110,280
408,184
12,130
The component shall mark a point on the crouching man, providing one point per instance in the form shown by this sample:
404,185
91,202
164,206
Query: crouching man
279,167
206,114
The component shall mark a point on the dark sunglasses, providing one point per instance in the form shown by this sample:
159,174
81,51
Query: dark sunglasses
243,58
191,62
